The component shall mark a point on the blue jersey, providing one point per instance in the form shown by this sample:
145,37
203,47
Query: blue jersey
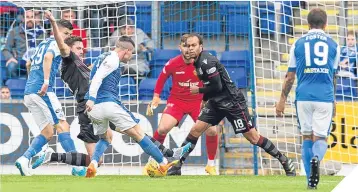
36,77
105,78
314,57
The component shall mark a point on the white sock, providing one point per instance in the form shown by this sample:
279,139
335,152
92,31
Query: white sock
211,162
95,163
164,162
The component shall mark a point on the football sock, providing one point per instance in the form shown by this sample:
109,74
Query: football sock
101,147
307,156
76,159
66,142
151,149
271,149
189,139
159,137
319,148
36,146
166,151
211,146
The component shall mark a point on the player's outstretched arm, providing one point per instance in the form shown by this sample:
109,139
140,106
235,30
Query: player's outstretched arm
64,49
46,69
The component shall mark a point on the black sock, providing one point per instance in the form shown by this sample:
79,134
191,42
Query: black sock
166,152
193,140
76,159
271,149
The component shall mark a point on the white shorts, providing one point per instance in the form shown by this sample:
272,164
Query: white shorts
45,110
116,113
314,117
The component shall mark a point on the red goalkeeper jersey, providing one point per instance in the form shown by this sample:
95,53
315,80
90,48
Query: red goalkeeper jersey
183,76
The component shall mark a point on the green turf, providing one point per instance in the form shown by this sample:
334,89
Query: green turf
167,184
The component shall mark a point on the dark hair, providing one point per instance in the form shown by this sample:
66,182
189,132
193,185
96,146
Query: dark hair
198,36
126,39
72,39
184,38
4,87
64,23
317,18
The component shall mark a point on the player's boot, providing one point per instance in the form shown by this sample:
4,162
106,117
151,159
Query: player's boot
175,170
179,152
164,168
289,167
314,177
92,169
211,170
44,158
79,171
22,164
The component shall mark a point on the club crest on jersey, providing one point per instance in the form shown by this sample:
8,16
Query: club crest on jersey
194,72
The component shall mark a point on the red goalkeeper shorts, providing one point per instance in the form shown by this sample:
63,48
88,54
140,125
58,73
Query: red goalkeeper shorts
178,108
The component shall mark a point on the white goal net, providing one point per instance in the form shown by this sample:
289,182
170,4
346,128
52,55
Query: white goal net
279,25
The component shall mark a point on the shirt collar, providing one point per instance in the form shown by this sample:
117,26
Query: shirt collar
316,31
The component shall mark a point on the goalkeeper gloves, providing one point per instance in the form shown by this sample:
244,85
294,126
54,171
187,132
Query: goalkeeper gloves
153,105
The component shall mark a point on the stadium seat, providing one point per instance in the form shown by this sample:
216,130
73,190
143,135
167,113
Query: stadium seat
59,87
175,27
207,27
346,89
17,87
232,7
266,14
235,58
238,24
146,89
91,56
127,88
159,58
3,69
212,52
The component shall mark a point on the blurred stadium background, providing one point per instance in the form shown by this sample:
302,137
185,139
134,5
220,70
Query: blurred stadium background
251,39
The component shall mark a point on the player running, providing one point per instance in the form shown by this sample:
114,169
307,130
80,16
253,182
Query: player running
224,100
181,102
103,106
314,58
41,100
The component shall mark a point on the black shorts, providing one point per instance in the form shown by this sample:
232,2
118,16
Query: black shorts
86,129
237,114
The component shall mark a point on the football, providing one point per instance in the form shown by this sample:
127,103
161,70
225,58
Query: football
152,168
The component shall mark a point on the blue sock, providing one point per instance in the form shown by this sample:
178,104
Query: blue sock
319,148
151,149
35,146
66,142
307,156
101,147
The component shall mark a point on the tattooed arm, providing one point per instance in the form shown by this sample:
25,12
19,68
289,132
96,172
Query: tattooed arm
288,83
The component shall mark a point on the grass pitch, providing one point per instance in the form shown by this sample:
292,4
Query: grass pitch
14,183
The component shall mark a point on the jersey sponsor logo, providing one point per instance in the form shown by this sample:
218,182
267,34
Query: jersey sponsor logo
211,70
316,70
205,61
188,84
180,72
